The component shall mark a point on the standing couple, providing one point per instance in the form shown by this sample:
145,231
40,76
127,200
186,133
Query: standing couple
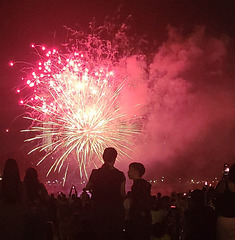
107,186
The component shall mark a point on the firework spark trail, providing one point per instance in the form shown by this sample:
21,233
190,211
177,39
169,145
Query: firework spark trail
75,111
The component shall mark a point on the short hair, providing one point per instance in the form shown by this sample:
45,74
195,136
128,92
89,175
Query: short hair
109,155
138,167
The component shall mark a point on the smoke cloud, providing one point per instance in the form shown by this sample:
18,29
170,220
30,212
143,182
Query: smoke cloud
186,99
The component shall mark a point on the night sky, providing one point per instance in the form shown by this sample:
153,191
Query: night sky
211,23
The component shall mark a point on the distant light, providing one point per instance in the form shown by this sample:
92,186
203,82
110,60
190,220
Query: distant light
18,90
43,48
32,45
11,64
7,130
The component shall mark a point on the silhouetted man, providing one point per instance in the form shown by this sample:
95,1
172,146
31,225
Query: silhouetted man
107,185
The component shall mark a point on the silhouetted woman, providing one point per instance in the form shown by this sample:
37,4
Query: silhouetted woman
36,197
11,204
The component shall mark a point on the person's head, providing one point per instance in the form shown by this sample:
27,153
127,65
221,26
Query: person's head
31,183
110,155
136,170
159,195
11,171
231,174
31,175
196,198
11,182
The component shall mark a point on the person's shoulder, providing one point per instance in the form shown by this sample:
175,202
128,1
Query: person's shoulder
42,189
119,172
220,187
41,186
94,174
142,181
142,185
95,170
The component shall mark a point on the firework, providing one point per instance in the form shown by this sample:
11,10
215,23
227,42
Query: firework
75,111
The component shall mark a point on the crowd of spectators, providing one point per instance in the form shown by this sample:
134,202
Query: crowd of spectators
104,211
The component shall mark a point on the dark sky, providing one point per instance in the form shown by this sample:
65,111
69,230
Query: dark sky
23,22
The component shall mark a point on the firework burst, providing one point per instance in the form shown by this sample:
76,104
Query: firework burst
75,111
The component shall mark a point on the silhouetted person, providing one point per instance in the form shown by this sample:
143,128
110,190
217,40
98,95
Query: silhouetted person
11,203
140,204
200,220
73,189
85,198
107,185
52,211
63,216
36,199
157,201
225,206
11,187
160,217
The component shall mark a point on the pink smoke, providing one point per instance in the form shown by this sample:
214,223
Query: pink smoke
187,103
